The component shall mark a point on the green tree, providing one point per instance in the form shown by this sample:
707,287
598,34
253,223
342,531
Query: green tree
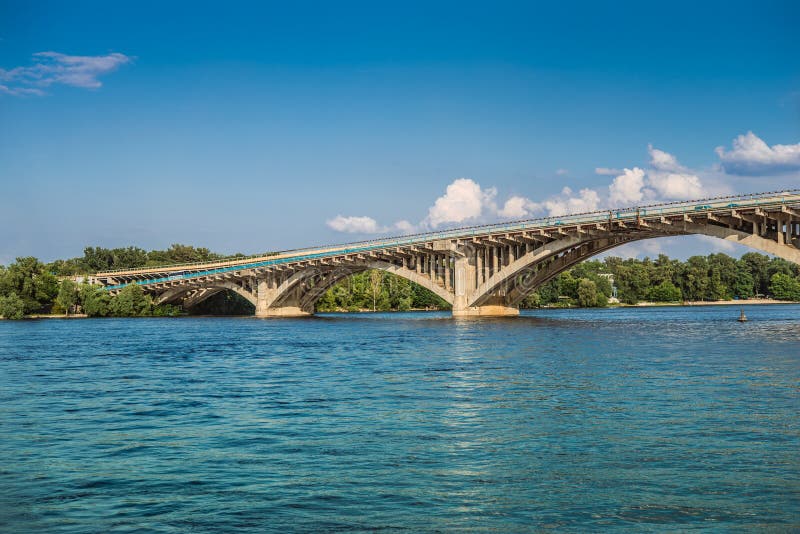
533,300
664,269
695,280
722,272
586,293
631,277
784,287
97,259
549,291
30,281
568,285
327,302
666,291
12,307
375,286
166,310
757,265
96,301
380,291
68,295
743,284
131,301
401,293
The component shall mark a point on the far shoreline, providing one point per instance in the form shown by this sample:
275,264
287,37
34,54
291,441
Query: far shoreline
739,302
687,304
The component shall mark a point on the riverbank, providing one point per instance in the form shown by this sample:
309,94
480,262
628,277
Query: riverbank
54,316
740,302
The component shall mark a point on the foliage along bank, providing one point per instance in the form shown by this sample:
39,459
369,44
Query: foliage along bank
29,286
700,278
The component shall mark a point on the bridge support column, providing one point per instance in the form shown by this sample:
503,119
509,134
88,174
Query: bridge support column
265,303
466,274
283,311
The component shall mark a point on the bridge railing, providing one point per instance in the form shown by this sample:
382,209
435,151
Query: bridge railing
630,213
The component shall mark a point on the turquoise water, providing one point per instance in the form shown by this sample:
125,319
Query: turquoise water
574,420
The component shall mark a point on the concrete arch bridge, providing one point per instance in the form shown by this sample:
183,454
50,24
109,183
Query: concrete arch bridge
479,270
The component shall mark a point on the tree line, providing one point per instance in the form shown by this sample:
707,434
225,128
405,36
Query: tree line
99,259
378,290
29,286
700,278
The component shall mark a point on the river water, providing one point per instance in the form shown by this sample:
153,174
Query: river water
565,420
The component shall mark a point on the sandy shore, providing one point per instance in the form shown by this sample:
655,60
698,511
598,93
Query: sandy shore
57,316
740,302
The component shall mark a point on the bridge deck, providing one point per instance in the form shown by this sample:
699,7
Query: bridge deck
720,205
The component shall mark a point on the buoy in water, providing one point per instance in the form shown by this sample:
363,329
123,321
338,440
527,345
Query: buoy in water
742,317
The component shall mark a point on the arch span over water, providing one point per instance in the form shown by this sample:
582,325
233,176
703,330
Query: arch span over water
483,270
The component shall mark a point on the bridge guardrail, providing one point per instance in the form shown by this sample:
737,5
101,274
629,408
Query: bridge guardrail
672,208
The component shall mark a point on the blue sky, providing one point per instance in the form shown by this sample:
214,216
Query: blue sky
265,126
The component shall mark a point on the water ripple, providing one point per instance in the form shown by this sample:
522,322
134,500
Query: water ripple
565,420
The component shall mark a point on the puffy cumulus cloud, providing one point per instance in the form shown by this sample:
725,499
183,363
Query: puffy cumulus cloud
750,155
664,178
566,203
663,161
670,180
51,68
463,200
355,225
627,188
676,186
405,227
368,225
518,207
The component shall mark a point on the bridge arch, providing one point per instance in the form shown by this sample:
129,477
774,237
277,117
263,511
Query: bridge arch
300,291
211,288
750,240
480,270
518,279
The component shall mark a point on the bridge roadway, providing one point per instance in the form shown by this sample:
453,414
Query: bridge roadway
479,270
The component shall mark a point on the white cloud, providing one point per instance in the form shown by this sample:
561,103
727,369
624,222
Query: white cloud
405,227
463,200
51,68
676,186
627,188
355,225
663,161
562,172
750,155
20,91
670,180
518,207
716,244
566,203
